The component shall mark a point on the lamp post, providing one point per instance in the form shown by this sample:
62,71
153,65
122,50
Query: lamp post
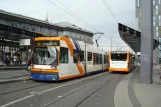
101,33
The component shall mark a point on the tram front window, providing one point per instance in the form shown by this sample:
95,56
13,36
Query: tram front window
118,56
45,56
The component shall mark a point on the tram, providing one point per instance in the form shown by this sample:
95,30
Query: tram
121,61
61,58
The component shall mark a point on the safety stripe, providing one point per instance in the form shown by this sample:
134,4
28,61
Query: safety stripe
76,45
69,44
120,69
69,77
71,48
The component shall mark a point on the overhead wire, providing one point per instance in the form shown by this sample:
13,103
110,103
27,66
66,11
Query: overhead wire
71,13
109,8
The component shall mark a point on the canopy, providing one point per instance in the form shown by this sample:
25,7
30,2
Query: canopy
133,38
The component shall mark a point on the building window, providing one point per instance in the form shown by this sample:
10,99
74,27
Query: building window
153,2
138,3
157,34
157,29
159,20
159,40
153,23
160,49
156,12
159,1
156,7
153,18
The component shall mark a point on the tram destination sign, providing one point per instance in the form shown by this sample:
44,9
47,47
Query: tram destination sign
24,42
47,43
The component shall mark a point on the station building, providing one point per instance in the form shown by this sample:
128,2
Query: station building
14,27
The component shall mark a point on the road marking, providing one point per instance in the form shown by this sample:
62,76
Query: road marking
17,101
35,93
13,102
68,93
59,96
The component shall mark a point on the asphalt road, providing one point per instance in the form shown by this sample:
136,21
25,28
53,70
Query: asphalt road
9,74
90,91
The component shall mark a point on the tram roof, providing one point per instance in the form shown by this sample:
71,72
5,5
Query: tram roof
133,38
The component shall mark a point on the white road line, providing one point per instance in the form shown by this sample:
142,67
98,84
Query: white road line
77,90
13,102
17,101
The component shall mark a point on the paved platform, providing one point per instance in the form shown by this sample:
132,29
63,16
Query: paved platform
13,75
2,68
131,93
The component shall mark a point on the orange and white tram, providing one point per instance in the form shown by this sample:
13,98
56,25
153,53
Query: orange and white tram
60,58
121,61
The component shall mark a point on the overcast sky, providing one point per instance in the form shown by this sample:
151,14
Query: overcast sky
93,12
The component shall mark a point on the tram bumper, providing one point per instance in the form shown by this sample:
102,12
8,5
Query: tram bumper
44,76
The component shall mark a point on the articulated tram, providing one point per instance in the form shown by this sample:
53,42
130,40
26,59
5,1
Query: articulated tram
121,61
60,58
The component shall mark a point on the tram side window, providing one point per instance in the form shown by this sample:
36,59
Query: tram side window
105,59
63,55
75,56
89,56
99,59
81,55
95,58
78,56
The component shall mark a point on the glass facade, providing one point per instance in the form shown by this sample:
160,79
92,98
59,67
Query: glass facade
156,24
153,2
138,3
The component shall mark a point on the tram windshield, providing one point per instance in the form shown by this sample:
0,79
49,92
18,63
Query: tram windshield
45,56
119,56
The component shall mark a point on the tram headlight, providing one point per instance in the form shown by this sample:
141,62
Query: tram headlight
53,67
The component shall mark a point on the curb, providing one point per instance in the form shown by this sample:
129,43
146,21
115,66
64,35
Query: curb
122,89
6,69
15,80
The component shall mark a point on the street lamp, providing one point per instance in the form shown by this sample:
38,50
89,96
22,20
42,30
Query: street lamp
101,33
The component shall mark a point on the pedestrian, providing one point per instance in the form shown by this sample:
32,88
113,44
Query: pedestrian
14,59
5,59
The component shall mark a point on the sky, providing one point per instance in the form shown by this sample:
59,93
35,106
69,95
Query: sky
93,12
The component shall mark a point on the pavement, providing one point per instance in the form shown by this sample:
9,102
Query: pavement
5,68
131,93
89,91
124,92
13,75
